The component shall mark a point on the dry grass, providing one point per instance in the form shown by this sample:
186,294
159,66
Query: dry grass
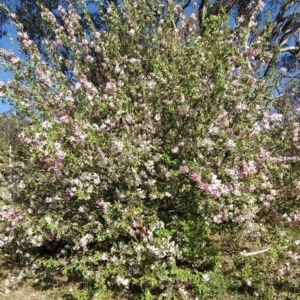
28,290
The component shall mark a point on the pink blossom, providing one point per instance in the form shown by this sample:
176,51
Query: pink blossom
213,130
195,177
184,169
180,110
283,70
110,106
249,168
110,88
241,106
261,5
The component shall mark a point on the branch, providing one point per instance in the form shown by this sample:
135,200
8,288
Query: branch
203,10
280,17
186,4
286,6
255,252
288,35
290,49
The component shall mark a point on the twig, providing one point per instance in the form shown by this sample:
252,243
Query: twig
255,252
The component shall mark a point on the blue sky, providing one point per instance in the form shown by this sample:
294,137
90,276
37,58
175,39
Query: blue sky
8,42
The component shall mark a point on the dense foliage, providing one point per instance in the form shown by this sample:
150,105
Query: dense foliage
154,166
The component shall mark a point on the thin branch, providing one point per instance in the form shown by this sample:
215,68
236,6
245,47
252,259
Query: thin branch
186,4
255,252
291,49
288,35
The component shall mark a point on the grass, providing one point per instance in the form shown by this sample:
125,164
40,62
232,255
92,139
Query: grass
28,290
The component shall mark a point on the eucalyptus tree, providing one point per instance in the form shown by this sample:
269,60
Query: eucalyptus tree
279,17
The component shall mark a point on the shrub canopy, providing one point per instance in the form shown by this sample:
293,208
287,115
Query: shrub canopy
153,158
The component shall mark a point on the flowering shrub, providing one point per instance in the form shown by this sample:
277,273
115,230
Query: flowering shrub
152,166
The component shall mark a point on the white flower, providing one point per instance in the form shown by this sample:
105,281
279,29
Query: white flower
46,125
276,117
175,149
96,179
182,291
230,144
118,145
98,49
117,69
131,31
157,117
48,219
104,256
122,281
29,231
184,169
21,184
85,240
141,193
90,189
205,278
151,84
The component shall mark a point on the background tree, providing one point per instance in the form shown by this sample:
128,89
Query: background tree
10,125
281,17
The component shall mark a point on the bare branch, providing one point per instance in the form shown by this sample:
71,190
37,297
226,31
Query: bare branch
288,35
287,5
255,252
186,4
290,49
